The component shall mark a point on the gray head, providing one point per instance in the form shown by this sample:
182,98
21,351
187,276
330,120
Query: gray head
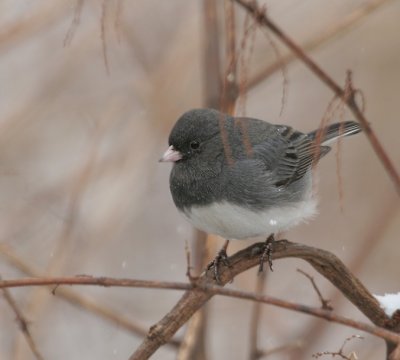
195,135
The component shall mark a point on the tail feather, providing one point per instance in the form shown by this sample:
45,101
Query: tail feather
332,132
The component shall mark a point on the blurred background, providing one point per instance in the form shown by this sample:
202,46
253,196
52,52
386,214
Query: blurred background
89,91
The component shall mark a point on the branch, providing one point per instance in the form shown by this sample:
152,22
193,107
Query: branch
204,290
230,90
191,347
349,99
199,293
255,319
23,324
343,25
75,23
340,351
324,303
80,301
371,239
324,262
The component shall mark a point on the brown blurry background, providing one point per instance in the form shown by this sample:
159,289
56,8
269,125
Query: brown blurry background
85,112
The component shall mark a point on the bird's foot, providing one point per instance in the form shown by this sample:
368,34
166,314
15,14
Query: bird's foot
221,258
267,249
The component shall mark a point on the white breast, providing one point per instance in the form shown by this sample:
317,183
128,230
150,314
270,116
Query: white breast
233,222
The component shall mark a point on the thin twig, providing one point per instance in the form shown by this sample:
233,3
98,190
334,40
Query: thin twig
283,68
22,323
80,301
254,352
245,54
202,292
193,343
230,89
74,24
117,20
212,85
264,20
103,34
340,351
321,38
191,348
324,303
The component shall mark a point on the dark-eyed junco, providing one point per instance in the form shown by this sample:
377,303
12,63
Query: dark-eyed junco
240,177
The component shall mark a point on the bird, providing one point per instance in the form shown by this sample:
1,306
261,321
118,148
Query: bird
240,177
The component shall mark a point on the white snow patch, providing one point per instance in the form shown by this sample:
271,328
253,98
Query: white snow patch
389,302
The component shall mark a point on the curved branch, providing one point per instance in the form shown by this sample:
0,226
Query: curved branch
198,293
324,262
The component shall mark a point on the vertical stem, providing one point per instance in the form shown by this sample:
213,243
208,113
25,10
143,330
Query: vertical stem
255,318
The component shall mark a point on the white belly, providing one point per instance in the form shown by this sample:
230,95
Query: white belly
233,222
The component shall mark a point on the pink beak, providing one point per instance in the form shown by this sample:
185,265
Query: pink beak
171,155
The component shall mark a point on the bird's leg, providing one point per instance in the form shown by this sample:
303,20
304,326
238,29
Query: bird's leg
221,257
266,254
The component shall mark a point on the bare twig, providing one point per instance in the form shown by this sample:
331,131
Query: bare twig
245,53
117,20
193,344
74,24
340,351
192,278
198,294
23,324
371,240
212,86
280,60
322,37
324,303
255,352
264,20
230,89
103,34
80,301
191,347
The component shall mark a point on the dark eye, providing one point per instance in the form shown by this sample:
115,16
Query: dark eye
194,145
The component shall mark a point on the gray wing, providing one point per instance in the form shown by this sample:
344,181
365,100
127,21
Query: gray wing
289,154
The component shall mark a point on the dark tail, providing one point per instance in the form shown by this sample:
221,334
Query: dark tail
335,131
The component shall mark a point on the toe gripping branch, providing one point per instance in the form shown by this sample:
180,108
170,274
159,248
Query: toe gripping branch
267,253
221,258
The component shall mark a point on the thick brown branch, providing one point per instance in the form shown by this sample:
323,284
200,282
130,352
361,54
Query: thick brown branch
324,262
197,295
373,235
264,20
